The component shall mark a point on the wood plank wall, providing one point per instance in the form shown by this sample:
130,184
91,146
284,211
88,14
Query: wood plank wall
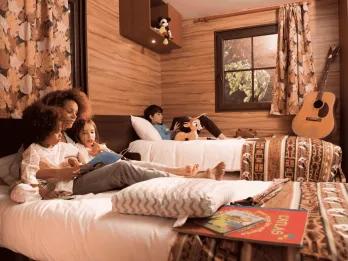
343,9
188,73
123,77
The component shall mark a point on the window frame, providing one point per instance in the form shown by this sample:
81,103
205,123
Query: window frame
78,44
219,38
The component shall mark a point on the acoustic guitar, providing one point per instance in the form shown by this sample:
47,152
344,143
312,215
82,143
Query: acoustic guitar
316,116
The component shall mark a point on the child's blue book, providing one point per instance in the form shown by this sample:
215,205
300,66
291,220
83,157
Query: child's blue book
102,159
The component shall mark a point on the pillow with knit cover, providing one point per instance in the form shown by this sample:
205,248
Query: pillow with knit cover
173,197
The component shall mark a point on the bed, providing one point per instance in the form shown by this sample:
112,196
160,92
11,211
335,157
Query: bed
41,230
85,229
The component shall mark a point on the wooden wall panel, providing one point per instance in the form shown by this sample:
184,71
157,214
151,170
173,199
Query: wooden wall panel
343,9
188,86
123,77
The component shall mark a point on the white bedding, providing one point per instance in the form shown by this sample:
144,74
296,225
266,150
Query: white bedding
85,229
207,153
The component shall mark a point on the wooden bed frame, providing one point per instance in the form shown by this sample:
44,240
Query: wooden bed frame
115,130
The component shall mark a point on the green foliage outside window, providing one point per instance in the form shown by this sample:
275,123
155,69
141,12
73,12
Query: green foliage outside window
242,81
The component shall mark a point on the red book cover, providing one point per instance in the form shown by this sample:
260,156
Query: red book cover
278,227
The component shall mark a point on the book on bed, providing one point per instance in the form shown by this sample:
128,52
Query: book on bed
227,219
255,224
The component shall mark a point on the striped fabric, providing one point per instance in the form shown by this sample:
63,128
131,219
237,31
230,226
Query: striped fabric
296,158
173,197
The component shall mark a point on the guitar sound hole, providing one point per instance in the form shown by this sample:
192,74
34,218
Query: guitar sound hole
318,104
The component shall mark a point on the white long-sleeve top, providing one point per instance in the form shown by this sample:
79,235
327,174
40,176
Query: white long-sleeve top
37,156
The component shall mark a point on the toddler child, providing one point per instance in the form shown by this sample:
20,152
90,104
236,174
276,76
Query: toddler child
45,151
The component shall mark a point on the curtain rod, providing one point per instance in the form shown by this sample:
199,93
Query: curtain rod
248,11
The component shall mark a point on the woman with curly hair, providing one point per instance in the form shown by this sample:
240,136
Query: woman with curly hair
74,104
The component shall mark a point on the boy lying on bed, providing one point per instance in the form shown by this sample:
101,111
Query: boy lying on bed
44,126
154,114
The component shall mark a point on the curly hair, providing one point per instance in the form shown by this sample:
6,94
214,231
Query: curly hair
152,110
40,121
60,97
78,126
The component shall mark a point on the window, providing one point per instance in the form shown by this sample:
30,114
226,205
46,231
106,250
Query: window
77,23
245,61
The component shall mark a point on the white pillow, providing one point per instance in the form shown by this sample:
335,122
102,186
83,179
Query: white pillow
173,197
144,129
9,168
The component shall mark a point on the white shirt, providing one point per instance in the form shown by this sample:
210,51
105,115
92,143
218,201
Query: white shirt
56,157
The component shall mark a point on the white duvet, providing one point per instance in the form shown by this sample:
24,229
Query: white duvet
85,228
207,153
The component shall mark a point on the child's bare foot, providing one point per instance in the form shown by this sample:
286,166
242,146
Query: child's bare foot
219,170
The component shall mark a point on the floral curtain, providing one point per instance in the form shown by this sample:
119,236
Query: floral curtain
294,76
34,52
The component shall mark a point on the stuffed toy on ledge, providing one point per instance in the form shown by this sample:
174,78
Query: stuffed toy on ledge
163,28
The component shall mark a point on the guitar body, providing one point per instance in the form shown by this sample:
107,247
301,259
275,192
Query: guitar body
316,117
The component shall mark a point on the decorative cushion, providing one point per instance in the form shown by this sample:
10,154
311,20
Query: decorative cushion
173,197
294,157
144,129
9,168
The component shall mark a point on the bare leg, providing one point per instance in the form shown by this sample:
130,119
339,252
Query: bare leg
188,170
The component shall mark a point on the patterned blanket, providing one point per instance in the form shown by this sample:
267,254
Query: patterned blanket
326,236
296,158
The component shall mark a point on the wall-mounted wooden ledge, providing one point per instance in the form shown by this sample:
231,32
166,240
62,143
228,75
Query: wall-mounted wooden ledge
248,11
137,17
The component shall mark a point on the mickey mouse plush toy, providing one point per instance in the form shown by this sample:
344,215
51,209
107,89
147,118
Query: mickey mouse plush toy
163,28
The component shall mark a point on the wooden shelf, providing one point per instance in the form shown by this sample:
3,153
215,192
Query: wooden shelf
136,17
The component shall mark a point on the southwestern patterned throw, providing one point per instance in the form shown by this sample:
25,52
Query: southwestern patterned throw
296,158
325,238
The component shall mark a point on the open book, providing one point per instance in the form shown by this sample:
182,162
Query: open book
231,219
102,159
254,224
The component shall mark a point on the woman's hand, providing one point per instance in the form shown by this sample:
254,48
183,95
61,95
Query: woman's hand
64,173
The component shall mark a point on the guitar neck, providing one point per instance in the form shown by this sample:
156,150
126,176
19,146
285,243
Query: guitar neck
323,78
